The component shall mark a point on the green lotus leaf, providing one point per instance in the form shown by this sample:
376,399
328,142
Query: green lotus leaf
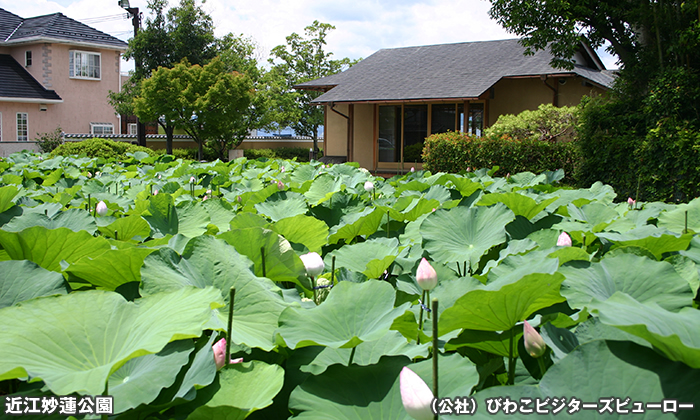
283,204
352,313
190,219
674,333
499,305
207,261
365,222
464,185
675,220
302,229
112,268
322,188
367,353
372,392
47,247
656,240
489,341
643,279
74,342
23,280
281,262
246,220
628,371
73,219
520,204
464,234
370,258
220,213
240,390
7,194
140,380
133,227
53,177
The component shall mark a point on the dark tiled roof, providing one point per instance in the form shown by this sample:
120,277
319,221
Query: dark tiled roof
445,71
56,26
16,82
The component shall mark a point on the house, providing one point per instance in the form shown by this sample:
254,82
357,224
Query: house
379,111
56,72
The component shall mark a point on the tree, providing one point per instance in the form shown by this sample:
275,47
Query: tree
300,60
208,102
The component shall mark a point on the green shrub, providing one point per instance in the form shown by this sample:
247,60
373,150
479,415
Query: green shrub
547,123
456,152
49,141
413,153
191,154
97,147
300,153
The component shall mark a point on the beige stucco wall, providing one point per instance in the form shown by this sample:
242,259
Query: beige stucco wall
336,132
84,101
363,135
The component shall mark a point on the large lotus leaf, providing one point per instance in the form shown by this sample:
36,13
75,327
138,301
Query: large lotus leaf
281,262
365,222
73,219
520,204
305,230
23,280
372,392
240,390
675,334
189,219
464,234
592,217
498,306
47,247
643,279
674,220
656,240
132,227
370,258
245,220
74,342
408,209
352,313
220,213
464,185
489,341
367,353
602,371
322,188
514,267
207,261
112,268
7,194
283,204
140,380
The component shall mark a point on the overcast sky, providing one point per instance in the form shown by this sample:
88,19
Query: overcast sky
362,26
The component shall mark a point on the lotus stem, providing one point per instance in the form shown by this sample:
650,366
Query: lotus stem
332,271
262,253
313,288
88,204
232,295
106,393
116,235
435,351
464,270
387,223
352,356
427,299
511,359
543,368
459,271
420,317
685,230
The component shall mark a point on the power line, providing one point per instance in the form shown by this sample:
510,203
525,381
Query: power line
100,19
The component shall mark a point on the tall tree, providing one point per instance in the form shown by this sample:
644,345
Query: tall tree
300,60
208,102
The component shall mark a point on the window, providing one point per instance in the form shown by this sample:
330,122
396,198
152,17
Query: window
131,129
99,129
22,126
84,65
27,58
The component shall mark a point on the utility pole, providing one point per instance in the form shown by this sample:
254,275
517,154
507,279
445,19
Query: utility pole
136,21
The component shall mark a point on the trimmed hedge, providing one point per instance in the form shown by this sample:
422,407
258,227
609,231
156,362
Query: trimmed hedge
300,153
456,152
97,147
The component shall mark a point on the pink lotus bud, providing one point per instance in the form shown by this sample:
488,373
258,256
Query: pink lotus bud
89,175
564,239
631,202
280,185
208,192
426,275
282,169
238,198
101,208
220,354
191,180
204,198
313,264
534,344
158,176
155,192
413,169
469,169
508,175
415,395
369,186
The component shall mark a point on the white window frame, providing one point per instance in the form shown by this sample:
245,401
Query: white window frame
131,129
22,136
100,128
76,69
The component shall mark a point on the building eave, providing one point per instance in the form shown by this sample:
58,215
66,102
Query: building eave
30,100
49,40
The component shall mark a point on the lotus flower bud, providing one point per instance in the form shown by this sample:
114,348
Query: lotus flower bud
191,180
155,192
534,344
313,264
415,395
220,354
426,275
564,239
282,169
369,186
238,198
631,202
158,176
101,208
280,185
413,169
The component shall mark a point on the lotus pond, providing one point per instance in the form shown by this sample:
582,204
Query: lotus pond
130,299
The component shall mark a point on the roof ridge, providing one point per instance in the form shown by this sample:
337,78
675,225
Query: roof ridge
15,30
